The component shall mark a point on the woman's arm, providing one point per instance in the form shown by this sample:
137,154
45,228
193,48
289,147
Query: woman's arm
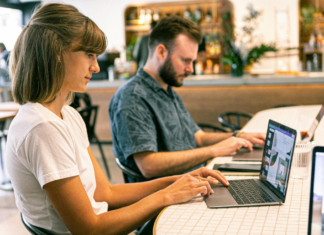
122,195
125,194
72,204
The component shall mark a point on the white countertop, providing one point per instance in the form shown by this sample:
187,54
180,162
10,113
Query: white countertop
227,80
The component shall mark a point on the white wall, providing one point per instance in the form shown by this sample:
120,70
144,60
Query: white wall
109,16
267,27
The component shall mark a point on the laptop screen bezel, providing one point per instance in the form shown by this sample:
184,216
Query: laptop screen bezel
316,149
269,185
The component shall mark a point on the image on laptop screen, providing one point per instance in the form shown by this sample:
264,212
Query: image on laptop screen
277,157
317,218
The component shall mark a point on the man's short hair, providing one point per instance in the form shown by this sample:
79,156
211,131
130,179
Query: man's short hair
37,66
168,28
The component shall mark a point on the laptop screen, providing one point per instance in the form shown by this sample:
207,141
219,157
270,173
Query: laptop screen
316,207
277,156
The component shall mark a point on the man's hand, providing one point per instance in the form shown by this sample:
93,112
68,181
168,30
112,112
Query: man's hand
229,146
254,138
212,176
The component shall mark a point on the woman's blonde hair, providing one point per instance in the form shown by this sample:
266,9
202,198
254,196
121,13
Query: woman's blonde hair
37,65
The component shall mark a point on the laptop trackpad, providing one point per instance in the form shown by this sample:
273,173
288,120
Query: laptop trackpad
220,198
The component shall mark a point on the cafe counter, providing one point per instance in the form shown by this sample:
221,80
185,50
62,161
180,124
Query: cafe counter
207,96
227,80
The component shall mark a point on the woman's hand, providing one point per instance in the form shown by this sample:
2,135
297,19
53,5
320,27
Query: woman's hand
195,182
185,189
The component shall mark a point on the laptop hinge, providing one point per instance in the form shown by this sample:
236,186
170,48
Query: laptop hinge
270,186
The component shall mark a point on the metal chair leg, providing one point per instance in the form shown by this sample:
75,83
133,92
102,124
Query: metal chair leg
1,153
102,156
2,162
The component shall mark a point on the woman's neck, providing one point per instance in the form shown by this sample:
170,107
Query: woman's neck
56,106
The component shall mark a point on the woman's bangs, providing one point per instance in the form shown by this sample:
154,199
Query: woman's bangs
93,40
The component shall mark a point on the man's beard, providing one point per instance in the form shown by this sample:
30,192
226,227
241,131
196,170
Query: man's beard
168,74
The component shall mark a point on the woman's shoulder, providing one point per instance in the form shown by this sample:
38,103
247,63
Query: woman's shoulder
71,113
32,117
34,112
72,117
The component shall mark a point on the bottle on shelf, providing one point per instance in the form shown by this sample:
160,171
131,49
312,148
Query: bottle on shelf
148,16
156,15
312,42
132,15
315,62
199,68
208,17
319,41
168,13
209,67
216,68
187,14
142,16
213,45
198,15
309,66
217,46
193,17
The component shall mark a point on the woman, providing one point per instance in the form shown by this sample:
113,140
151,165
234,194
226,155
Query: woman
58,183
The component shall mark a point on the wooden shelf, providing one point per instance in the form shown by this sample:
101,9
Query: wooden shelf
176,3
210,25
135,28
313,51
217,8
213,57
319,20
146,27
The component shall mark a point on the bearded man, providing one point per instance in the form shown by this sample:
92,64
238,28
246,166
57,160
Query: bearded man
152,131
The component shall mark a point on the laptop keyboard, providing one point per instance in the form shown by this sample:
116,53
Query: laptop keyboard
248,192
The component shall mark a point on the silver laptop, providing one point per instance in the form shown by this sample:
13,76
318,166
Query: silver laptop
271,187
245,155
316,208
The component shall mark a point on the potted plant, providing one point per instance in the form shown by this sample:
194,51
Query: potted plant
245,48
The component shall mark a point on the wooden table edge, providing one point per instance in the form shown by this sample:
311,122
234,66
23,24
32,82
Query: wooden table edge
157,218
11,115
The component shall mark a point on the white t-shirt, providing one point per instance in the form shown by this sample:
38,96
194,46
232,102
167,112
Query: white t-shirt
42,148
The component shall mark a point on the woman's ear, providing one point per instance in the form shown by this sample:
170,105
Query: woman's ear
162,52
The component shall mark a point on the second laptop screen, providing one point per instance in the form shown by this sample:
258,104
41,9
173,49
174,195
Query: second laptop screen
277,157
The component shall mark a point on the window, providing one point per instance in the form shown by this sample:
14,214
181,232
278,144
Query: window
10,26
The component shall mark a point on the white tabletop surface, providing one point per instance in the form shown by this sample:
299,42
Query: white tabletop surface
319,133
297,117
193,217
9,106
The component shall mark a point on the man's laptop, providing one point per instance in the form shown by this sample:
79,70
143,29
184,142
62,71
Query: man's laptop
271,187
316,207
246,155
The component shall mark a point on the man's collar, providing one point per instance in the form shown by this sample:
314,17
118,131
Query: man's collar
149,80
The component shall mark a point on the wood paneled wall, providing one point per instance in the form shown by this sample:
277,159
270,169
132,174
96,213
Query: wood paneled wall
206,103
